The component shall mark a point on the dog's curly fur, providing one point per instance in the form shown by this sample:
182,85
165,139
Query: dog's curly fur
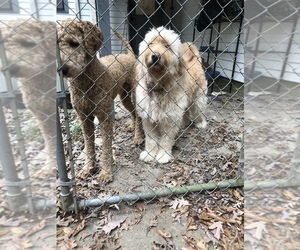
30,47
94,84
171,92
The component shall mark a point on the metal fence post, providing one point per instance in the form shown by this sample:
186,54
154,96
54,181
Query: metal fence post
15,197
66,197
296,158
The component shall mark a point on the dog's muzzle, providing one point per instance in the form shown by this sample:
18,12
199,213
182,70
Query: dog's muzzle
155,57
64,69
12,69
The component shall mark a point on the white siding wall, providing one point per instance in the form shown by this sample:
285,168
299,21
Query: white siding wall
184,17
84,9
41,9
272,48
118,21
227,44
187,11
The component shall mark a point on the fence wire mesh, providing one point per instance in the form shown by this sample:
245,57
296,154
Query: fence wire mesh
129,126
28,125
271,124
202,156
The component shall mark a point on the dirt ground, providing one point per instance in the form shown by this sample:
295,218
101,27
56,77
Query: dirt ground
216,219
272,121
199,220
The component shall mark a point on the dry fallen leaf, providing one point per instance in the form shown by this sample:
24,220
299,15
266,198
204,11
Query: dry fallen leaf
217,228
164,234
257,229
70,243
152,223
37,227
192,227
178,203
194,244
112,225
79,227
18,230
22,243
3,232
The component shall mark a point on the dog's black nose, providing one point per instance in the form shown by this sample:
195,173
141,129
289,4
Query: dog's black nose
65,69
13,69
155,57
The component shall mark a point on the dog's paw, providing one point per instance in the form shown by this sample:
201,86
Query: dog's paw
146,157
105,177
83,173
138,140
130,127
47,171
86,171
163,157
201,125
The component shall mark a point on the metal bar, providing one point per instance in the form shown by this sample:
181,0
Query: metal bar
14,194
103,19
18,130
61,164
149,196
66,197
255,52
279,183
288,51
236,50
296,156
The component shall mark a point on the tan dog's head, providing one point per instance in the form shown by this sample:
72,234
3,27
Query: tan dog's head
160,52
78,41
30,47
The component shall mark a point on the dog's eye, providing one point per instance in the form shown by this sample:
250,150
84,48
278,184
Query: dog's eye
74,44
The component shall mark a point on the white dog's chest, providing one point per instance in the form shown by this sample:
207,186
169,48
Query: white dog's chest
157,109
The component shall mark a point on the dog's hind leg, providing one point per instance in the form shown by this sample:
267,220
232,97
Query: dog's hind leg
127,98
197,110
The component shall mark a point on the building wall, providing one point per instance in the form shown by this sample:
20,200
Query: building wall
272,50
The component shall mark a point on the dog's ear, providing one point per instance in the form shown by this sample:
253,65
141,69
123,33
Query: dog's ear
93,38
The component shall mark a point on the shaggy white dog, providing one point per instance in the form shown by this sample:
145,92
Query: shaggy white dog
171,91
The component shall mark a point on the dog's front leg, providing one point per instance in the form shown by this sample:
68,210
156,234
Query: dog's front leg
88,127
169,131
151,139
106,126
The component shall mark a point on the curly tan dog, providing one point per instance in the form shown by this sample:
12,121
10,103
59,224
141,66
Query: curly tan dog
94,84
30,47
171,91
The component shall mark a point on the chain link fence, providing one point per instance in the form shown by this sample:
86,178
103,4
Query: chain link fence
271,124
205,159
27,124
96,138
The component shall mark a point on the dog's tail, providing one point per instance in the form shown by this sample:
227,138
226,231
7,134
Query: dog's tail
125,42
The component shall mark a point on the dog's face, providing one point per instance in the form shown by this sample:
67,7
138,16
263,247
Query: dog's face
78,41
30,47
160,51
